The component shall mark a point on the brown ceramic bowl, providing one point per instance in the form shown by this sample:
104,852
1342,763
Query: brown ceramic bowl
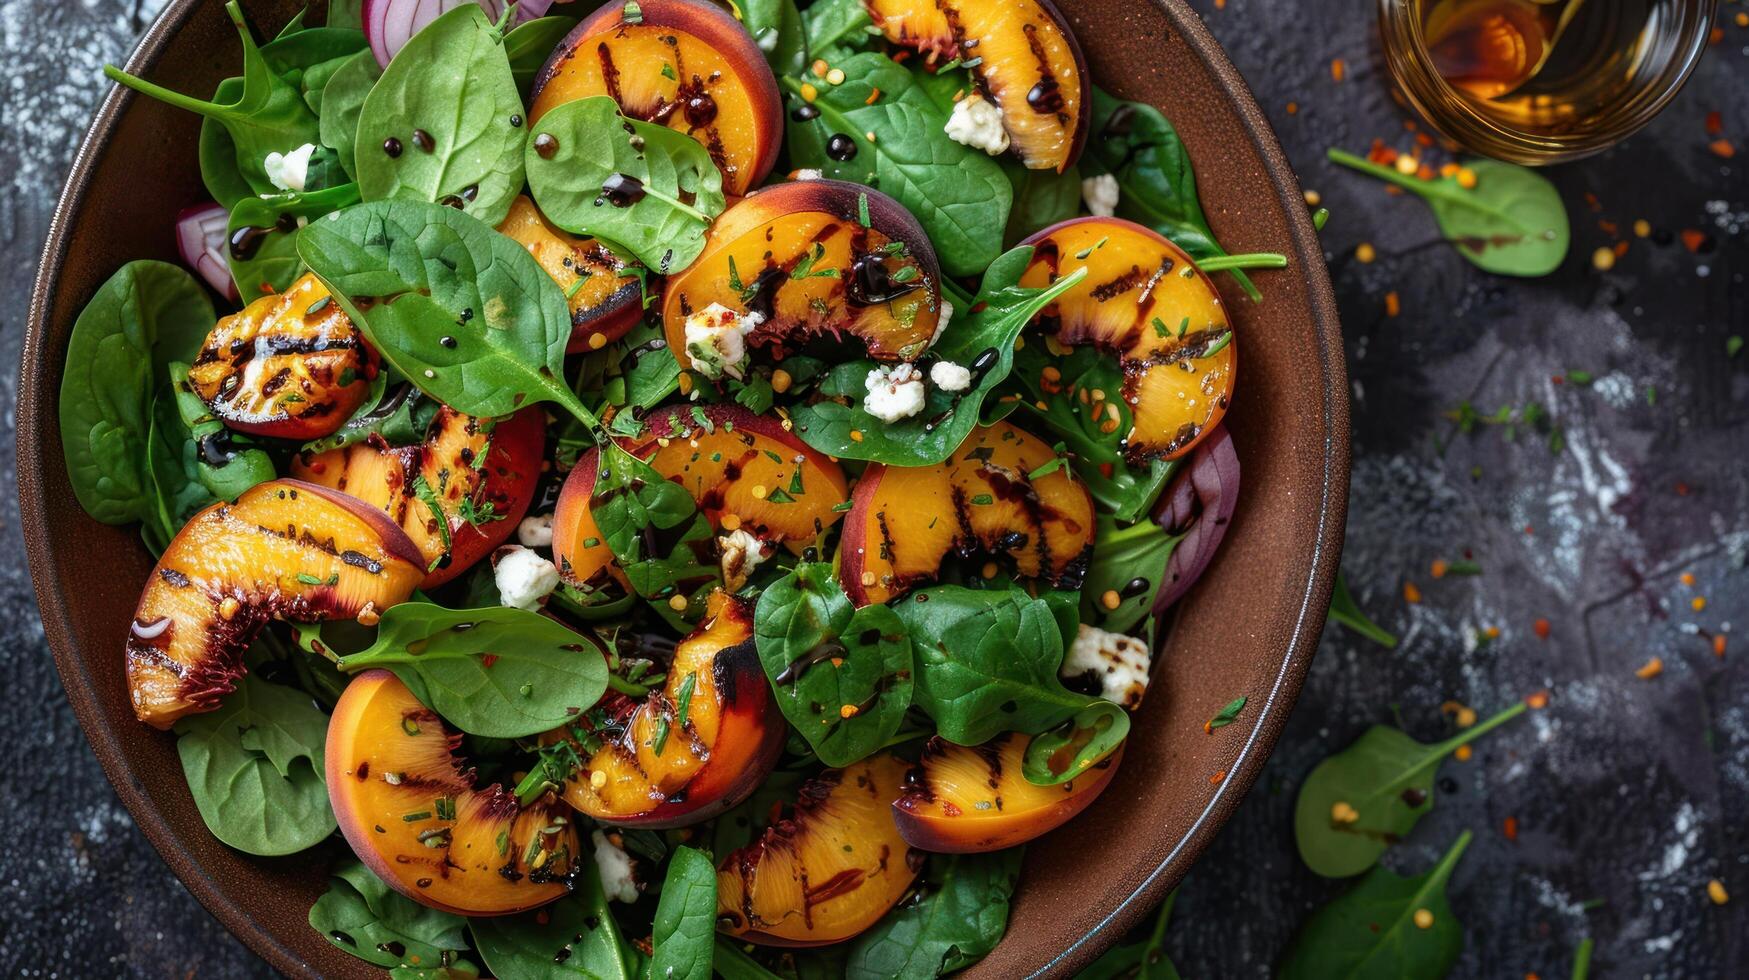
1249,627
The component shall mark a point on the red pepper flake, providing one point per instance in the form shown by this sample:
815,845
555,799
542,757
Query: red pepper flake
1528,530
1592,202
1621,248
1538,701
1715,123
1411,594
1393,304
1509,827
1338,69
1694,239
1681,489
488,660
1439,567
1722,149
1424,139
1541,627
1719,645
1715,36
873,97
1293,108
1215,780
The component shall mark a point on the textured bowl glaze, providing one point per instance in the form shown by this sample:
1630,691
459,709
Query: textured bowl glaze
1250,627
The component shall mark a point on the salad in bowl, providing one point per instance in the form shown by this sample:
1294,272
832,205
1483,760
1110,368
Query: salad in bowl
678,488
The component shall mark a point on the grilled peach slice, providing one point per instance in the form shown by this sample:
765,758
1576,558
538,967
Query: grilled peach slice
413,815
609,300
744,471
285,550
916,24
290,365
964,799
826,871
659,769
1025,60
458,495
799,256
905,521
1145,302
684,64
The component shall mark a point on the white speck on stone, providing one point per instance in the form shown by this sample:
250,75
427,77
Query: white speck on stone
1100,194
524,578
977,122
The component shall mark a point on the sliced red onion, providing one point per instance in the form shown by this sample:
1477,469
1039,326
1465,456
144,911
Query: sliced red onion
200,237
389,24
1199,504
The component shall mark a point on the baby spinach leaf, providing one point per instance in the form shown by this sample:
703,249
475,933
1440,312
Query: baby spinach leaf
987,662
361,915
1096,455
145,316
1346,611
398,413
458,970
1120,556
1359,801
733,964
684,931
459,309
959,194
824,657
1070,749
1370,933
228,463
1135,143
579,162
835,24
776,28
497,672
342,102
346,13
574,937
1141,960
1041,198
529,44
981,340
654,529
1512,223
255,768
307,58
265,114
173,463
449,100
958,919
269,261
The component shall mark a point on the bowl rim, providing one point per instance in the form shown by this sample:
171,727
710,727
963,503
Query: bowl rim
1272,715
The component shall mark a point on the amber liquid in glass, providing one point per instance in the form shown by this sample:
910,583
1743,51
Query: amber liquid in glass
1547,66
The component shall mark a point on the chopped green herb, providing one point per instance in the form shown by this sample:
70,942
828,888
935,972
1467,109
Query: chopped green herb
1228,714
862,211
983,500
683,700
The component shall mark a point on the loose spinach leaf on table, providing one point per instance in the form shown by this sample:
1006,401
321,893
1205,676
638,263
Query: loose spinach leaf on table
573,937
825,657
986,662
255,768
683,933
1135,143
261,113
981,340
959,194
1096,455
1370,932
453,84
1512,223
1121,555
269,263
417,277
342,102
146,316
580,150
1143,960
497,672
1346,611
228,463
1357,801
960,917
529,44
361,915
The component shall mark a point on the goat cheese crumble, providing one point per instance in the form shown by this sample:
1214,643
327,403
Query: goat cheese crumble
716,340
289,171
524,578
808,173
1100,194
741,554
949,376
536,532
615,866
894,392
941,321
977,122
1119,662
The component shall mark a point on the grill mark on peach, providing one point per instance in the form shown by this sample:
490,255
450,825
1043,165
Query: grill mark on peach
610,72
1037,47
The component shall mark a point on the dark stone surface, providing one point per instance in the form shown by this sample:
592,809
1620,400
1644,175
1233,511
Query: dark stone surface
1628,791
